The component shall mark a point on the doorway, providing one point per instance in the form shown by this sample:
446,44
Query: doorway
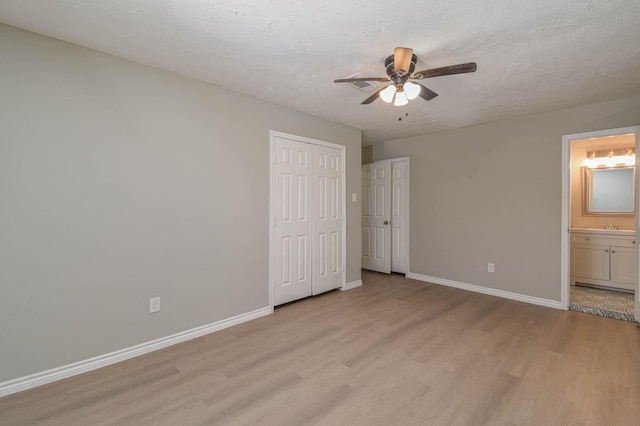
385,216
307,223
595,251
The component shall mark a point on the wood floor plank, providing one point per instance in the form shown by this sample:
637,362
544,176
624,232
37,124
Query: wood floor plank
394,351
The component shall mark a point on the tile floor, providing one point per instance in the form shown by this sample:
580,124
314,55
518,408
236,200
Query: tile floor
606,303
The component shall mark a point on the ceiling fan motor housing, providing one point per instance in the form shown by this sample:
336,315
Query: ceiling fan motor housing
389,65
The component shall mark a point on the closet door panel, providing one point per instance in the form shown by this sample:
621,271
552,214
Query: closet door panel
327,220
293,222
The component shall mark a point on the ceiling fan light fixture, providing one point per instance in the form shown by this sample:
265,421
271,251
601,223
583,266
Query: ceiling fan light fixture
401,98
400,67
412,90
387,94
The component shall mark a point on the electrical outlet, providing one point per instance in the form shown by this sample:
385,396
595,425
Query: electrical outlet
490,268
154,305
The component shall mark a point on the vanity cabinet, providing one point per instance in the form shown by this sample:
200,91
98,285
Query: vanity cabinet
604,259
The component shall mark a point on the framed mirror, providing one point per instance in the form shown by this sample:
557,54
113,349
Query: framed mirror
609,191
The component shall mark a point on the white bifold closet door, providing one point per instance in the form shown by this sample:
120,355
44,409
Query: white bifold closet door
307,219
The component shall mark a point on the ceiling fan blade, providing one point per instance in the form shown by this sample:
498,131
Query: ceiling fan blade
426,94
375,96
402,59
351,80
451,69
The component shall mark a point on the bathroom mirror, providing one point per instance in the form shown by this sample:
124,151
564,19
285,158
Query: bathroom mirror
609,191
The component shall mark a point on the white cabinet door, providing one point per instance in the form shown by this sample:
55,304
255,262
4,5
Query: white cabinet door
590,261
624,267
327,220
293,221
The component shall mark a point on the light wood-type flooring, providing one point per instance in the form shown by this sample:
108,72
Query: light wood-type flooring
395,351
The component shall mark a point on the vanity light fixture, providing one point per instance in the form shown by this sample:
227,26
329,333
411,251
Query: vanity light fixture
611,158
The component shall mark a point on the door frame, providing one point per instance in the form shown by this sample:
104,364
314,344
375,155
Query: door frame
273,134
565,269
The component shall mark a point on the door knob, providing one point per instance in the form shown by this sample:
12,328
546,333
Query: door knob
386,222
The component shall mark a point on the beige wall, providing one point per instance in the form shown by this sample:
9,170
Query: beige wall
492,193
579,151
120,182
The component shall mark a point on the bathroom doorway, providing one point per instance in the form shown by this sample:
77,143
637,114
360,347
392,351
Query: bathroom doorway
599,200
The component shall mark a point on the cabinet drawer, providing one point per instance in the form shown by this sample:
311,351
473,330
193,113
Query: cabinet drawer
609,240
581,238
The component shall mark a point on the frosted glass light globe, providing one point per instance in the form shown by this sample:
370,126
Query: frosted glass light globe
387,94
401,99
412,90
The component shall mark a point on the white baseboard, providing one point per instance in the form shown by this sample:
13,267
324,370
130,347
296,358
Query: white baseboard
486,290
37,379
352,284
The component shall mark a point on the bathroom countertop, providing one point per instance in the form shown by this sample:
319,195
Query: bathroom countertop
604,231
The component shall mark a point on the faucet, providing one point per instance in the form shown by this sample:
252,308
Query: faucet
611,227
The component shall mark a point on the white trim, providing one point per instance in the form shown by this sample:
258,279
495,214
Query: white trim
408,212
486,290
59,373
273,134
565,266
564,223
352,284
344,214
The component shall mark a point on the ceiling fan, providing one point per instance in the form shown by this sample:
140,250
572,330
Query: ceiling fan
400,67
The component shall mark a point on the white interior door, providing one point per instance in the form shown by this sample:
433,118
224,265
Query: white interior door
293,232
376,217
327,220
399,216
308,212
385,216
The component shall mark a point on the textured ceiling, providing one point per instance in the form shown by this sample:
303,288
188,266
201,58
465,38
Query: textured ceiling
532,56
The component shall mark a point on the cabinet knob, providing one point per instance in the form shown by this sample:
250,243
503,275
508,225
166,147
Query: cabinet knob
606,250
633,242
588,239
613,251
